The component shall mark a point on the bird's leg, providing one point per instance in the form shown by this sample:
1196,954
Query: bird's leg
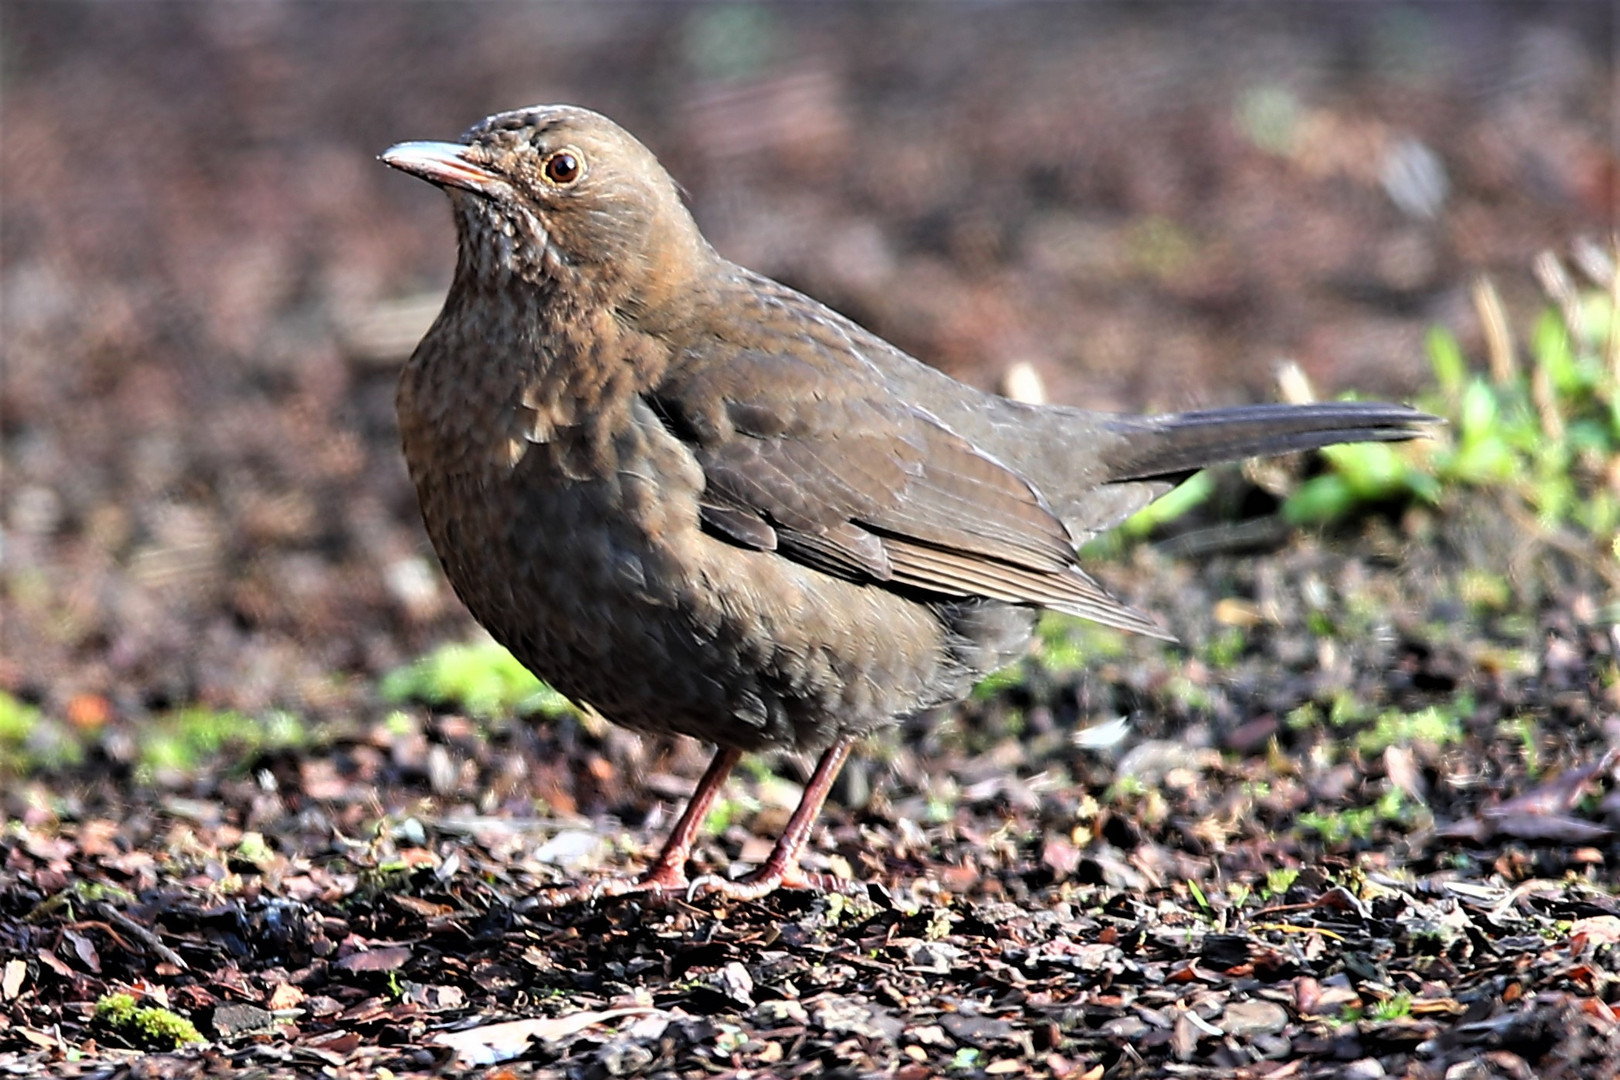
668,871
781,870
667,874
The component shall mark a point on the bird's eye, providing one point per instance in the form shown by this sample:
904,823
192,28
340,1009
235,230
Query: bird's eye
563,167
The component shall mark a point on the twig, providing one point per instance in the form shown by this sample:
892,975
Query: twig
140,933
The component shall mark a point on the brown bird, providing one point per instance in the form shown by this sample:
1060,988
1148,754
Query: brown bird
700,502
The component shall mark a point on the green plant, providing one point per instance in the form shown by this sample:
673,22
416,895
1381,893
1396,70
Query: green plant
145,1025
1361,474
1398,1007
1225,647
1064,645
482,679
999,682
17,721
1356,824
29,739
180,741
1545,436
1173,504
1280,880
1430,725
1069,644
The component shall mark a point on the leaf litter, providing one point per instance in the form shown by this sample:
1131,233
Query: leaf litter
1033,906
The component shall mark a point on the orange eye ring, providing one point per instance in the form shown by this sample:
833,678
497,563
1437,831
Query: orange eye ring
563,167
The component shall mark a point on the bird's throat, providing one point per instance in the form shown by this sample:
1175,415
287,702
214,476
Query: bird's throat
509,372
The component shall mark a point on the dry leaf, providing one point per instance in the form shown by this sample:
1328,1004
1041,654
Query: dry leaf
493,1043
11,982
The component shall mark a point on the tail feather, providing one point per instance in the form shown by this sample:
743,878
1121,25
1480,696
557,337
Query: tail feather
1176,445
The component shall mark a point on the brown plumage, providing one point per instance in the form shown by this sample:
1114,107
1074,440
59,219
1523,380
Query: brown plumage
700,502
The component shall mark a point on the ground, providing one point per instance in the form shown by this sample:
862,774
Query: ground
1361,823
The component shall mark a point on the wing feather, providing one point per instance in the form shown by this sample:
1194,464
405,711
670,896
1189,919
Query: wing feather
821,463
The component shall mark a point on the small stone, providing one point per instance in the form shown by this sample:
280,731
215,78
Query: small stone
622,1057
734,982
1125,1027
234,1020
1245,1019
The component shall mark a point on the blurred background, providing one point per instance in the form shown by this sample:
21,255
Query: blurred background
209,282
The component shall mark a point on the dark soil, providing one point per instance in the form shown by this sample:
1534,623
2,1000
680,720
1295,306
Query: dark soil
1273,870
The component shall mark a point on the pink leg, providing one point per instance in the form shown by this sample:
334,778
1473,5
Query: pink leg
667,874
781,870
668,871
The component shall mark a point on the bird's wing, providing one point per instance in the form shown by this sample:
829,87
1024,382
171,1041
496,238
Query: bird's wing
810,455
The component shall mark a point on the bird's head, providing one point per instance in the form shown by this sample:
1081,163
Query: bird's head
559,194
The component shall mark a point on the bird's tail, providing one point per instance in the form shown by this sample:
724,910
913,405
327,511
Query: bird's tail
1178,444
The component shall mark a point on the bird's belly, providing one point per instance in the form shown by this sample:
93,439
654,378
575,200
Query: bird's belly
609,590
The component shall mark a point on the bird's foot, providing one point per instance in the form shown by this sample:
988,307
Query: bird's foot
767,879
658,883
667,886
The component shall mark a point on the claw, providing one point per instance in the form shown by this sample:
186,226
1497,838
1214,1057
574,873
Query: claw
655,884
667,875
763,882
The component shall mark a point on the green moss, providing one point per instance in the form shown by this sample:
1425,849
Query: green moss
1358,823
1226,647
1280,880
145,1025
1320,624
116,1010
1485,591
161,1027
727,812
1338,829
997,683
938,810
1192,696
1347,709
1528,732
1124,789
185,740
17,720
1395,728
254,850
1305,717
482,679
1064,647
1270,116
31,740
79,891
